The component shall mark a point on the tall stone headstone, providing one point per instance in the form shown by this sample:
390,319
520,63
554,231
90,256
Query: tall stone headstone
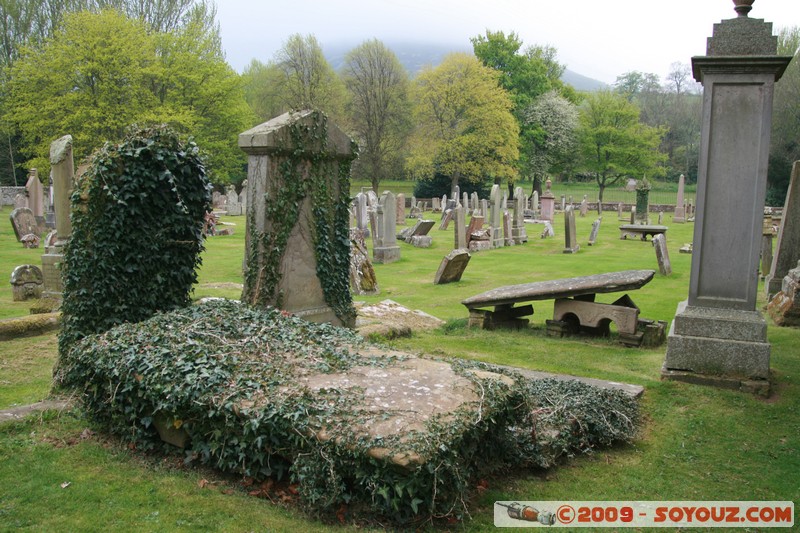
508,238
535,204
460,232
548,202
787,248
680,210
718,336
385,248
401,209
496,216
620,207
465,200
35,193
474,201
570,236
518,231
662,254
362,216
584,206
484,208
63,176
233,206
281,266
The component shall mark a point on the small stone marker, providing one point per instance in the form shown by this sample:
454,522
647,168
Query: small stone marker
26,283
548,230
662,254
595,230
570,238
452,266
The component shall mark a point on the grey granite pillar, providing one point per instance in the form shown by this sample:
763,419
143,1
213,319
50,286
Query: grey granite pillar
718,337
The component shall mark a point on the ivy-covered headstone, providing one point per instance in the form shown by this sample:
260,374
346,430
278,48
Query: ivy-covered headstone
137,219
297,249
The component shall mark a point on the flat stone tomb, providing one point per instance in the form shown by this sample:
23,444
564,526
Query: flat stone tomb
575,309
640,231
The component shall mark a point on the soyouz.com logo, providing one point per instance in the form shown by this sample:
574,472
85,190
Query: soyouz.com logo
643,514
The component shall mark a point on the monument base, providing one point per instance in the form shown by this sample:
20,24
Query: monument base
721,347
321,315
386,254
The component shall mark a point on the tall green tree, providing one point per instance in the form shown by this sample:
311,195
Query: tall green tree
614,143
261,83
465,128
526,74
103,72
307,81
785,147
378,108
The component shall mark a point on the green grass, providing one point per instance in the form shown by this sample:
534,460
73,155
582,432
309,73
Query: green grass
697,443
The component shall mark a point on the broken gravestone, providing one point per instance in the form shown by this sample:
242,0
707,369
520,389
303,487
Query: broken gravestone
452,266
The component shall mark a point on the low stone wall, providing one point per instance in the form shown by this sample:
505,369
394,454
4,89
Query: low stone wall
7,194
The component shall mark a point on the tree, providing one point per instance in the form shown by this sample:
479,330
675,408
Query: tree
261,82
785,148
103,72
554,121
464,125
614,144
378,108
306,79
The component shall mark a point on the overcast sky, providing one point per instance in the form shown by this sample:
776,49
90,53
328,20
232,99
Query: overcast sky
597,38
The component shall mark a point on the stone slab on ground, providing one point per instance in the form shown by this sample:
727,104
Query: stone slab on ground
21,411
389,319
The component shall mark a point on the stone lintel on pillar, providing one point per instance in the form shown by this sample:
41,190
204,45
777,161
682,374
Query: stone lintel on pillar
275,136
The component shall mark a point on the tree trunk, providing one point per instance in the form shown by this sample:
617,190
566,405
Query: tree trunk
600,199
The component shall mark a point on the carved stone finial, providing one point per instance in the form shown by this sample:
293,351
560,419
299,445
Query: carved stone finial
743,7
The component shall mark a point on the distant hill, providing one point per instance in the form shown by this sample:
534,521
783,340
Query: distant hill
415,56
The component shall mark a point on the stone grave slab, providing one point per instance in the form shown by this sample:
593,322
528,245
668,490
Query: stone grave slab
389,319
640,231
452,266
662,254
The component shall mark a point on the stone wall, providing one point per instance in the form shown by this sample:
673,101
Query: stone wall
7,194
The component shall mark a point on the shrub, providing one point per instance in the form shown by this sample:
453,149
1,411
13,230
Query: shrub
440,184
137,218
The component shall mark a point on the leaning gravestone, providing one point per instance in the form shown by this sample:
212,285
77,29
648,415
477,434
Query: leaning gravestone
595,230
452,267
25,227
418,234
570,237
787,249
362,274
662,254
298,184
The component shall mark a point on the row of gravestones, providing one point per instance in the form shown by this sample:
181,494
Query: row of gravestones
232,203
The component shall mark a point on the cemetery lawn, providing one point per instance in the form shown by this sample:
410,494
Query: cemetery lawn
697,443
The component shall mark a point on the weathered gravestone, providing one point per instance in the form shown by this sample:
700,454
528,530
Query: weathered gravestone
233,206
447,216
680,211
787,249
594,232
25,227
518,231
362,274
35,193
400,219
452,266
548,230
642,203
508,239
385,249
21,201
718,337
460,232
662,254
417,235
584,209
63,174
548,201
495,217
298,184
26,283
784,308
570,236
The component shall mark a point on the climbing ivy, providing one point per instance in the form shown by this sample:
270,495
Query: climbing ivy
137,218
303,167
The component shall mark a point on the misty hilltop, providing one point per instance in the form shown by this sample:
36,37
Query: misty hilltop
414,56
